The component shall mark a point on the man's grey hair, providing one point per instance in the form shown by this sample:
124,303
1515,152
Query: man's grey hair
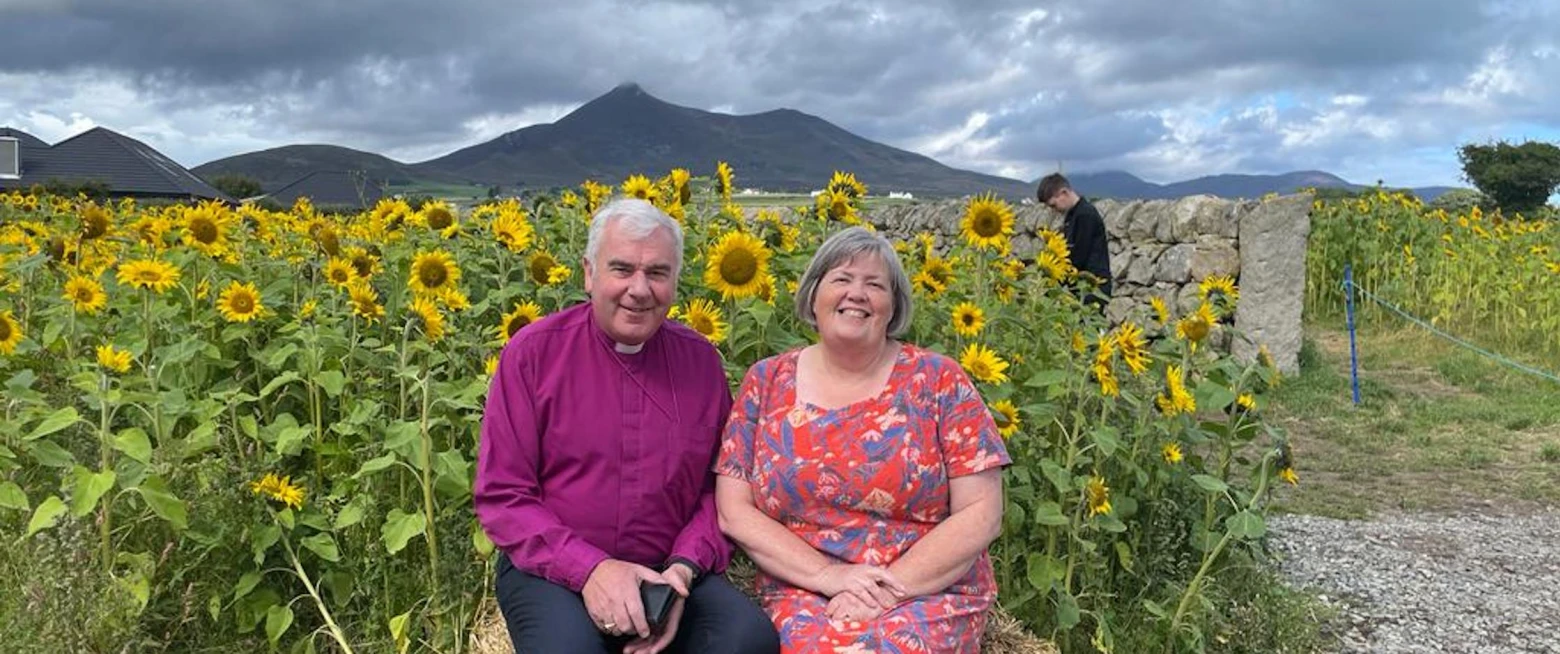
842,247
638,219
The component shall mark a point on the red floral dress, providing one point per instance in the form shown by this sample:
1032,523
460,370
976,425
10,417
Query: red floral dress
862,483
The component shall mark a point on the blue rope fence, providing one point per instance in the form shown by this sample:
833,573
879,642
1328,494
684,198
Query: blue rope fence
1350,288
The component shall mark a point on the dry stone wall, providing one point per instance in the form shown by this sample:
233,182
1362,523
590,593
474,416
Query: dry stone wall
1165,248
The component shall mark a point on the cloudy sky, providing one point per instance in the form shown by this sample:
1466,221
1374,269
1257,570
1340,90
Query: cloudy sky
1367,89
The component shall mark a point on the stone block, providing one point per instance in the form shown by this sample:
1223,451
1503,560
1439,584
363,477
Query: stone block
1273,239
1215,256
1175,265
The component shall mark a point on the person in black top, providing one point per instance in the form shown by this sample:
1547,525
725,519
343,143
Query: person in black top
1084,230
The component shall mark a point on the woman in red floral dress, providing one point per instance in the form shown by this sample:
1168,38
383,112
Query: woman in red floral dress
863,474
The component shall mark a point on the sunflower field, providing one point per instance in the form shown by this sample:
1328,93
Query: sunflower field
228,428
1489,279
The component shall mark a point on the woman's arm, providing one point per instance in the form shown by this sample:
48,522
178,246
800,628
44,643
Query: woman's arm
946,552
786,556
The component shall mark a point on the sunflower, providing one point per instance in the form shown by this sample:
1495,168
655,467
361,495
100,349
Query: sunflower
1288,474
159,276
940,270
1057,269
1171,452
1176,400
1013,269
845,184
10,332
1161,312
433,273
1079,344
96,222
240,302
112,360
704,317
987,223
1246,401
1099,496
766,290
558,274
340,272
838,207
1056,244
1006,416
1220,291
984,364
540,264
1134,349
309,307
680,189
1195,327
364,262
595,194
365,301
280,489
737,265
1104,372
723,180
327,237
439,217
432,321
522,315
513,230
206,227
490,367
968,319
641,187
569,200
85,294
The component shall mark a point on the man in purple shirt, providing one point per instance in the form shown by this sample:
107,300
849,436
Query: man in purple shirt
593,475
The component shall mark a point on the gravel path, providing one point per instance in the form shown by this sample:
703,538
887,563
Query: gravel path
1431,583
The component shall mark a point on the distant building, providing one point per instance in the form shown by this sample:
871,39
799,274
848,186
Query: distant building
329,188
125,166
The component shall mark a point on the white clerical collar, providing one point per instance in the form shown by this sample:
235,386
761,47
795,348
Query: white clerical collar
624,348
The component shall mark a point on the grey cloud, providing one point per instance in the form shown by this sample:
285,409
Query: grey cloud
409,74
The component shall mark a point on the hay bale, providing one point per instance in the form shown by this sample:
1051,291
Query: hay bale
1004,633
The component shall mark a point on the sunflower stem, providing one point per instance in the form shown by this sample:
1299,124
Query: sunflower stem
319,604
427,478
151,372
105,462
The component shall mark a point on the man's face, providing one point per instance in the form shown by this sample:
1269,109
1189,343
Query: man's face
1062,200
634,284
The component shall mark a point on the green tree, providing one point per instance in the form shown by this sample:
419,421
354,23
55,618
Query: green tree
1519,178
237,186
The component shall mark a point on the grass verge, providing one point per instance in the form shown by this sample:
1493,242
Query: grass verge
1438,428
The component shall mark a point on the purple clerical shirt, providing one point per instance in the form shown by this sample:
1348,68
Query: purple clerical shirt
588,453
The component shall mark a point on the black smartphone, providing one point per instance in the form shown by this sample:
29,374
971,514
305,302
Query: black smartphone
657,599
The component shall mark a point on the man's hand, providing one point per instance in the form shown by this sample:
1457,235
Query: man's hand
850,606
612,597
680,577
868,582
661,640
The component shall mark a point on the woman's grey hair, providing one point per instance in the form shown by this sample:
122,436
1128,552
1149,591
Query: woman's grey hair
638,220
842,247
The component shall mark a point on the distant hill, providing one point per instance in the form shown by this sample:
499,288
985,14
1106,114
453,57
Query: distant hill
628,131
278,167
1122,185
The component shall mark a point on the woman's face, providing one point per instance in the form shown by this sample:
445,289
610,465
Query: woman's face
854,302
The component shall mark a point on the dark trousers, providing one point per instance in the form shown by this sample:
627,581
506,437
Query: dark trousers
545,618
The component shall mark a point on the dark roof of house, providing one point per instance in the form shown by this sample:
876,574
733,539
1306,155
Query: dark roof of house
127,166
332,188
27,140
